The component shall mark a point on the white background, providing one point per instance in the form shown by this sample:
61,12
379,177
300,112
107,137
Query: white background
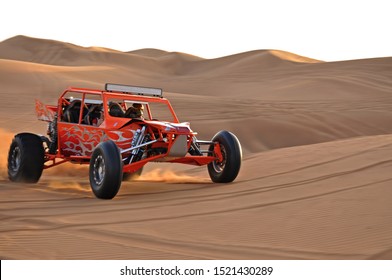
97,270
326,30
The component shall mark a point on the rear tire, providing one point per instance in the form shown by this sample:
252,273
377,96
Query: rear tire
106,170
26,158
226,171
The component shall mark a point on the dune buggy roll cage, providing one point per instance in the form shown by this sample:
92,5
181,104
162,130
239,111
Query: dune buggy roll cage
135,94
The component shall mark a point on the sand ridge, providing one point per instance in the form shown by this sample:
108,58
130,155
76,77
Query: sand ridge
314,183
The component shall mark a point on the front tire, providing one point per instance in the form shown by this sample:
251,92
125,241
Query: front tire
227,169
106,170
26,158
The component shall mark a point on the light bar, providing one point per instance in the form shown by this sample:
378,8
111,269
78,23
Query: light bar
157,92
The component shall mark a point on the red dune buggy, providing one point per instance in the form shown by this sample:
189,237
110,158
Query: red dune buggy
117,131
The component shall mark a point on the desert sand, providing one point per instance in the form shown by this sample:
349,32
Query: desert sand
315,181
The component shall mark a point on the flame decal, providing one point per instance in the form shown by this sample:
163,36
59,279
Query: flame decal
80,141
77,140
121,137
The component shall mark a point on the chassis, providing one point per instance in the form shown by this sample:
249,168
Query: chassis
102,129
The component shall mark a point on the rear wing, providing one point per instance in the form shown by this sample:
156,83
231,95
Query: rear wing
45,112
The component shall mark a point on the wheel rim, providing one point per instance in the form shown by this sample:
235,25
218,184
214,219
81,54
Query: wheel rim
99,170
219,166
15,160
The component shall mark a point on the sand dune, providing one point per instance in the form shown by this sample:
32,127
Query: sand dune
314,184
332,204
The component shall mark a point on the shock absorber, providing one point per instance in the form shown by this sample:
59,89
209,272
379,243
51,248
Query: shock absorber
195,147
136,141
